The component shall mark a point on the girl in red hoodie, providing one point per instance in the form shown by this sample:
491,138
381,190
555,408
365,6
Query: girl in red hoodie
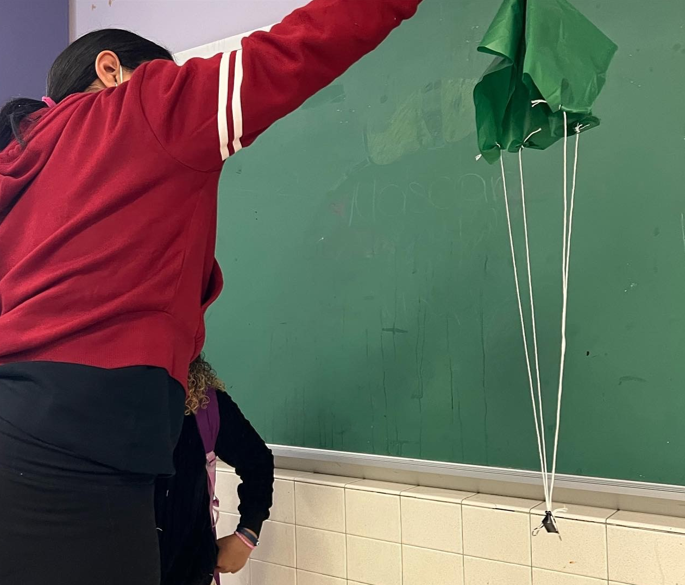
108,202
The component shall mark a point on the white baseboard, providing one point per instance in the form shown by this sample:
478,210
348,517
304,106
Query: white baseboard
482,473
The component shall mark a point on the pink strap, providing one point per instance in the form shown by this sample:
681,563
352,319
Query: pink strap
213,500
211,481
208,422
246,542
49,101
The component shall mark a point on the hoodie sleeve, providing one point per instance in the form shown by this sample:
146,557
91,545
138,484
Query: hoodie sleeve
208,110
241,447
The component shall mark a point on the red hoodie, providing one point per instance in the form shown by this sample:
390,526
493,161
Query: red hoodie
108,216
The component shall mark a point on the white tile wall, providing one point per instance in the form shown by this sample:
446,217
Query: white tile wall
438,495
429,524
373,514
645,557
320,506
227,524
581,550
319,551
284,502
494,502
485,572
648,522
381,487
542,577
328,530
498,535
374,562
227,491
306,578
421,566
278,544
268,574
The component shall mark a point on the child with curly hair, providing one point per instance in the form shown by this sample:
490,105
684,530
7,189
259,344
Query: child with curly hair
185,505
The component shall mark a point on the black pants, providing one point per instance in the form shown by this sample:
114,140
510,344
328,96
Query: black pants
68,521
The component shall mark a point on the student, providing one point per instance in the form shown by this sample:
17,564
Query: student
108,208
213,427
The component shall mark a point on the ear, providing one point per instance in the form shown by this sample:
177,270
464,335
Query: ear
107,68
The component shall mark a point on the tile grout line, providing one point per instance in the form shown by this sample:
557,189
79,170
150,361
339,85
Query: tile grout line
297,560
401,542
530,540
463,548
614,514
646,529
606,533
505,563
347,572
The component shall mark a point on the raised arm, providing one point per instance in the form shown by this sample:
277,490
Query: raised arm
223,104
276,72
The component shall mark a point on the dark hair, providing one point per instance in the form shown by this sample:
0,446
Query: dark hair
74,72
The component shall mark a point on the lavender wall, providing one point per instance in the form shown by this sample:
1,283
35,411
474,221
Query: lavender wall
178,24
32,34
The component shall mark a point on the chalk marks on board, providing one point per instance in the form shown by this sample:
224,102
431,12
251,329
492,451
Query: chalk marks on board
455,396
395,330
372,199
627,379
440,113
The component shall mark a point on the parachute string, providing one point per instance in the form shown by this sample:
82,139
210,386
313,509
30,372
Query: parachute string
533,364
538,433
566,261
534,325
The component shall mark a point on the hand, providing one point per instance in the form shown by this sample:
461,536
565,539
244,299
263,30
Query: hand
233,554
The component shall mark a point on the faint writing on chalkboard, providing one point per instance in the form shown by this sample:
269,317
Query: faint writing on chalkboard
370,201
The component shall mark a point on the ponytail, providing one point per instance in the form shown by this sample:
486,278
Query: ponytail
74,72
12,116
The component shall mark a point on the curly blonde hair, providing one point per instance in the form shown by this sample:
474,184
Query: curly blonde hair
200,377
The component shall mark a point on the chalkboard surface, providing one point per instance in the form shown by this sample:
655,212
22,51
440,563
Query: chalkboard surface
370,304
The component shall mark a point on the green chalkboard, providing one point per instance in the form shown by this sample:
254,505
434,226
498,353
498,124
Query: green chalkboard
369,302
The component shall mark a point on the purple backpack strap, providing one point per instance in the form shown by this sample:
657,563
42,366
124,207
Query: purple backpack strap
208,423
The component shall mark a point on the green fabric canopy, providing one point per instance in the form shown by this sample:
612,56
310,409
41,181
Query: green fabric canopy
545,50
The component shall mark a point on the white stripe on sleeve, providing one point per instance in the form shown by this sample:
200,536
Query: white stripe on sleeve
237,103
223,105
